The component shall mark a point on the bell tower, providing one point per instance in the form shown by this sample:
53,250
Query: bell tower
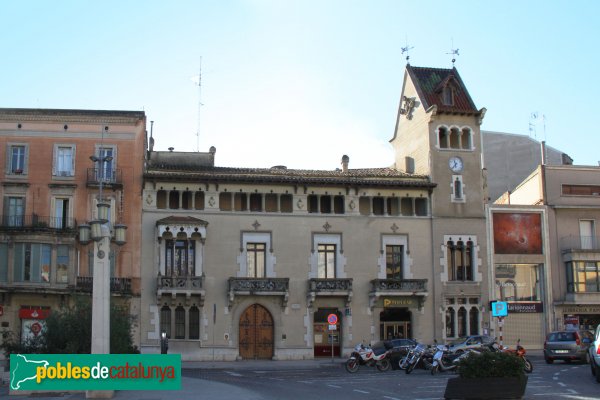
438,134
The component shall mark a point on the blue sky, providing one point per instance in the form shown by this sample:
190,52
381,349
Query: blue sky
300,83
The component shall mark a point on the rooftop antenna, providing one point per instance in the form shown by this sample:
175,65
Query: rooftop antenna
406,50
454,53
198,80
532,124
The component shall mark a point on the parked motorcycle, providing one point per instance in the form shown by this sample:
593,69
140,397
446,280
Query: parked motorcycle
377,356
418,355
445,361
520,352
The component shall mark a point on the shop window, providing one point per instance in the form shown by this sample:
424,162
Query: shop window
518,282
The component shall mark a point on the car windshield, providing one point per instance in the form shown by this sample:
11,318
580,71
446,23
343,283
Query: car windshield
458,341
562,337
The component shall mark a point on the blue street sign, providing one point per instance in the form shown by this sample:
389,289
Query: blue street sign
499,308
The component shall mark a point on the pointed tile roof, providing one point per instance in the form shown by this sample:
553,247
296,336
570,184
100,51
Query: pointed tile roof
430,83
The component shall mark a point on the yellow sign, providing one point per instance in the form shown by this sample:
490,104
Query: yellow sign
400,302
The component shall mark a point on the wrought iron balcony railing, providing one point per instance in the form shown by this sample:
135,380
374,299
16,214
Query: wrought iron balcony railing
108,177
329,287
170,283
399,285
259,286
117,285
37,222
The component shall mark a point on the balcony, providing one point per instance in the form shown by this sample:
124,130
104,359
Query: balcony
259,287
332,287
108,178
117,285
188,286
412,292
36,222
580,244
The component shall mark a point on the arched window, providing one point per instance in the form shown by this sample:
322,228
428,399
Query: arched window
462,322
454,138
443,137
450,322
165,320
467,139
180,322
474,321
194,327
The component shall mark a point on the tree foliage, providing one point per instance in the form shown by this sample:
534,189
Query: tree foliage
69,331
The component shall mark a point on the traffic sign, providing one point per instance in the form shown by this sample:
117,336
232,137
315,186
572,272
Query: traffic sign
332,319
499,308
332,327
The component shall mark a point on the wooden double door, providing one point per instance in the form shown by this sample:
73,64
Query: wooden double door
256,333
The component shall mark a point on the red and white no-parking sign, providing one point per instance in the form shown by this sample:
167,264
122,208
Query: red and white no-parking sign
332,319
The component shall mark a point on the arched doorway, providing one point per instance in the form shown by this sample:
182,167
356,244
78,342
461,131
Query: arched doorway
256,333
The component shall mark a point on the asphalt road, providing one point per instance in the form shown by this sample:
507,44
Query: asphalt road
556,381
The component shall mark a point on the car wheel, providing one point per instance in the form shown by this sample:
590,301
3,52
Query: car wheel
548,360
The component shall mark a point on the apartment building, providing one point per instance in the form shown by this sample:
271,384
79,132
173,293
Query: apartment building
55,165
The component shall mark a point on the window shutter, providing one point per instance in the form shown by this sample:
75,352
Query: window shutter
55,160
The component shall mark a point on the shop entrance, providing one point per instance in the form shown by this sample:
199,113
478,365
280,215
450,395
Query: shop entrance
395,323
256,333
323,336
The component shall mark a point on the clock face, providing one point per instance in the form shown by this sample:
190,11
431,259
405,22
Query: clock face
455,164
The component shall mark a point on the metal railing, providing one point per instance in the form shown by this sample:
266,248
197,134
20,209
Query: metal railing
399,285
117,285
326,285
35,221
106,176
258,285
576,242
165,283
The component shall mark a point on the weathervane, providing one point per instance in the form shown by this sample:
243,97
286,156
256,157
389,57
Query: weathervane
405,50
454,53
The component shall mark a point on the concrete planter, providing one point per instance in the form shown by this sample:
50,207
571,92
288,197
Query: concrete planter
486,388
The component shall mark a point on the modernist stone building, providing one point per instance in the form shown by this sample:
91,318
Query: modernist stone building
250,262
48,187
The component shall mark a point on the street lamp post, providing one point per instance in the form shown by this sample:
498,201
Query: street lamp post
99,231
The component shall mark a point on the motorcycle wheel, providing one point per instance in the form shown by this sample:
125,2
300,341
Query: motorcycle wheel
402,363
434,369
528,366
351,365
384,365
410,368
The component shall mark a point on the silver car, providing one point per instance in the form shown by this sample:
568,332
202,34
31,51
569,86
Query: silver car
594,355
567,346
463,344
